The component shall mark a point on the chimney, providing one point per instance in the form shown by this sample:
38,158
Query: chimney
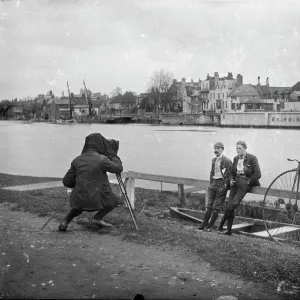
199,80
239,79
267,85
258,80
207,76
183,79
229,76
216,75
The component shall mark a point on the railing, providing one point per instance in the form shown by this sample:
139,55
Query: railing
197,184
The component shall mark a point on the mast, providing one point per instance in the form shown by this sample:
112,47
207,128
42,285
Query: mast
88,100
70,102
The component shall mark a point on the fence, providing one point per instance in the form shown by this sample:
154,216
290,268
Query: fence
197,184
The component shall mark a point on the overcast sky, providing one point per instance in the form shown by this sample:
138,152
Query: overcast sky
109,43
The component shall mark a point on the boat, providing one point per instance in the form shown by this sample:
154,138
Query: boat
119,120
64,122
246,226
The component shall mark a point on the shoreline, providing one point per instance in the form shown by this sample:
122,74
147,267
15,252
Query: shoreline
160,124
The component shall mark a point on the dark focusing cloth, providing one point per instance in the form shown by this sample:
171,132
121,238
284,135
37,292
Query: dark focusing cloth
87,174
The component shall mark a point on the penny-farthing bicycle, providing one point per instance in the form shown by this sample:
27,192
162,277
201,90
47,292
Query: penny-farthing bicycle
281,207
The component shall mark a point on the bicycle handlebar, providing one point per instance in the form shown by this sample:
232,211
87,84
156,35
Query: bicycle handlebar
294,160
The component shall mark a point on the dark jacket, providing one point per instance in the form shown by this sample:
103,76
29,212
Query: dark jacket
251,169
226,169
87,176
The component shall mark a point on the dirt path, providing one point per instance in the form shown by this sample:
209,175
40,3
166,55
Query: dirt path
86,264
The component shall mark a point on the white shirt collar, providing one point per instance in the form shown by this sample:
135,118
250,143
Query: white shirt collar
219,157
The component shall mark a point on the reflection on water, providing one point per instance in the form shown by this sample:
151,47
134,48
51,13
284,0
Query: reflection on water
42,149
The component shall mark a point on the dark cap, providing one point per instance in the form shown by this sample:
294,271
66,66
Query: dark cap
242,143
219,144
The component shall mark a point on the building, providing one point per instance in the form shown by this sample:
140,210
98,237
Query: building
206,86
181,94
219,99
59,109
249,97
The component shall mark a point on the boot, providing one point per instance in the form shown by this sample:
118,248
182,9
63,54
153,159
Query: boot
223,221
69,217
229,223
205,221
63,226
100,223
212,221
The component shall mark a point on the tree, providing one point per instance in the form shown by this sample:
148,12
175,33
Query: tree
116,91
158,88
5,106
129,100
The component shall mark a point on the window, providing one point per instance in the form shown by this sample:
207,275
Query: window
233,106
226,104
214,95
238,106
223,95
218,95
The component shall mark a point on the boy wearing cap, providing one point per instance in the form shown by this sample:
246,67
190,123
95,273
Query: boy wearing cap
219,184
245,174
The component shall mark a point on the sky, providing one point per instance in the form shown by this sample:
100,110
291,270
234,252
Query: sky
110,43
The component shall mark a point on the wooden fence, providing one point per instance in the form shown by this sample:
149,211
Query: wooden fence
197,185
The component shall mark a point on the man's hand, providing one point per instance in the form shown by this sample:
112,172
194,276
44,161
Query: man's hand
232,182
223,188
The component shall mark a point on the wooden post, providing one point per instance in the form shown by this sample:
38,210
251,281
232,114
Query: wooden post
181,195
130,189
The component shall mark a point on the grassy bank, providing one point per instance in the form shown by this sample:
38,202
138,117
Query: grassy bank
253,259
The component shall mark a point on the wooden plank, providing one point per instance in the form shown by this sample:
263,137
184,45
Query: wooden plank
239,227
195,189
170,179
274,192
276,231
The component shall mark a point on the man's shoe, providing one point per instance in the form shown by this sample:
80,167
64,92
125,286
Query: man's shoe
225,232
101,223
63,226
201,227
207,229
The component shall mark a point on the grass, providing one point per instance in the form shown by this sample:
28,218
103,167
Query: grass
253,259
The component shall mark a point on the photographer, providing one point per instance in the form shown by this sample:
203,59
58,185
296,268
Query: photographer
88,179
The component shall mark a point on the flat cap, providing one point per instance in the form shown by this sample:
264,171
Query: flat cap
242,143
219,144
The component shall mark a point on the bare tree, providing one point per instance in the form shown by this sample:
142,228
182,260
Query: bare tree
116,91
158,87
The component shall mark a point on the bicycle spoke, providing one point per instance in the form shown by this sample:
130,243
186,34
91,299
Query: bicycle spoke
279,213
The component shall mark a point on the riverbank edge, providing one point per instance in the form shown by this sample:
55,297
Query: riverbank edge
239,255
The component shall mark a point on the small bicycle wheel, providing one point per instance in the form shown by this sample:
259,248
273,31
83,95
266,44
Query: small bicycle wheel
280,208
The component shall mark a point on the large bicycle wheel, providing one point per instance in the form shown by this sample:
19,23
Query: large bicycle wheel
280,208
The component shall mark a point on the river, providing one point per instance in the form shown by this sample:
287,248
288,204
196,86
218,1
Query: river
43,149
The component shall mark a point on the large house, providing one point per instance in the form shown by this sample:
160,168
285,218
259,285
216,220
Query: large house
184,96
249,97
219,100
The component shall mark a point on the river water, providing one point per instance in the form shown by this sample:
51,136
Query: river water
43,149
